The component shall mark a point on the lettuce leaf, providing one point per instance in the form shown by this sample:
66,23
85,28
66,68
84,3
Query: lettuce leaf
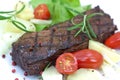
79,9
72,3
35,3
59,9
60,13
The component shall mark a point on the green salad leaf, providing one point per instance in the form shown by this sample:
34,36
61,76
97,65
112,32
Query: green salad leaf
62,10
40,27
60,13
73,3
78,10
35,3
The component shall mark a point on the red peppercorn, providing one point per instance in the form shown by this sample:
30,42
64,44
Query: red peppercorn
14,63
41,72
13,70
25,73
10,54
3,56
16,79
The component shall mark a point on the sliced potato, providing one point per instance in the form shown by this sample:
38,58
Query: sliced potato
40,21
85,74
2,26
27,12
10,37
9,27
109,70
51,74
105,51
6,40
4,47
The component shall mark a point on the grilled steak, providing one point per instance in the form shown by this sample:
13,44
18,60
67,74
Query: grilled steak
33,51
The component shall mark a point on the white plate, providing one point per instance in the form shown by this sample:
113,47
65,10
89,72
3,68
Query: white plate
109,6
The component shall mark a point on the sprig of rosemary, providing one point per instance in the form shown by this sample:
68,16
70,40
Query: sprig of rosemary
20,25
3,12
19,11
48,65
4,17
85,26
10,16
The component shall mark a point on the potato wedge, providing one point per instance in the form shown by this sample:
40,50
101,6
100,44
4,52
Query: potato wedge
27,12
9,27
105,51
85,74
51,74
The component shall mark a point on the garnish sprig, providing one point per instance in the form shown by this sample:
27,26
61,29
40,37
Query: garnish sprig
19,11
85,26
20,26
10,16
3,12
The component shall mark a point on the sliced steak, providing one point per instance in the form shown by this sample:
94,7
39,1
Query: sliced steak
33,51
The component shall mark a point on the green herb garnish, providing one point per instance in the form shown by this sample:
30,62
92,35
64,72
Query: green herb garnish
2,12
85,26
59,8
4,17
48,65
19,11
20,25
10,16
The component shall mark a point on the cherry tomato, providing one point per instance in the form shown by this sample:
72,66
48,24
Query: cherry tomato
88,59
42,12
113,41
66,63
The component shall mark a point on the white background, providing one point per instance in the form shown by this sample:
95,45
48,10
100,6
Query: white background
109,6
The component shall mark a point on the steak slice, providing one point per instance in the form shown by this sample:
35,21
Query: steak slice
33,51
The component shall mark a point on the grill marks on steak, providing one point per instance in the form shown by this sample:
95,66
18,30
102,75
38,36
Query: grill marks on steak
33,51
